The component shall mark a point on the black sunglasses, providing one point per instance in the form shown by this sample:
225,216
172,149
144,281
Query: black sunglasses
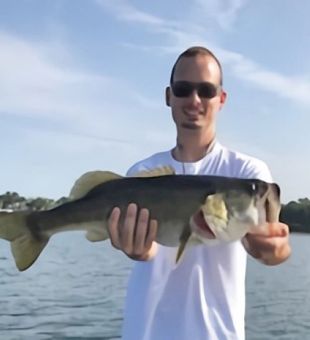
184,88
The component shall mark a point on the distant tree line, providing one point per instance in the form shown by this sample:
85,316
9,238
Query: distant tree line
296,213
12,201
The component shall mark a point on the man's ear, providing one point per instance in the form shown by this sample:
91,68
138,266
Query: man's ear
168,96
223,97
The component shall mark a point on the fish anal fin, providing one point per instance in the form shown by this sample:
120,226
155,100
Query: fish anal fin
90,180
160,171
97,232
26,250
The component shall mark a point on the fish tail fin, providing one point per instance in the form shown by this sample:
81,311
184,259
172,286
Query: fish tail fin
25,248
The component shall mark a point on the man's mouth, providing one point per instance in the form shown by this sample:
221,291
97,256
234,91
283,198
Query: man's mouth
203,226
193,114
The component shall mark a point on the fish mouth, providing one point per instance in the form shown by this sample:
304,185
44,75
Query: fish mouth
201,226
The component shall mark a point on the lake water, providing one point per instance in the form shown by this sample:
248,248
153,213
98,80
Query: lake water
76,291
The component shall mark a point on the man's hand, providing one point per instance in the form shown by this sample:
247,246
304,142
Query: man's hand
136,235
271,247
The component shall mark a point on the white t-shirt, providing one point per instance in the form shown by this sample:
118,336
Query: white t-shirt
203,296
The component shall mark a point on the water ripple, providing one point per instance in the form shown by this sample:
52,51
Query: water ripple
76,290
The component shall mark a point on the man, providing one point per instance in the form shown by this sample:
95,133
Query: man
203,297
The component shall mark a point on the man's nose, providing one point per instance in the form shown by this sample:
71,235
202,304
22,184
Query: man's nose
195,98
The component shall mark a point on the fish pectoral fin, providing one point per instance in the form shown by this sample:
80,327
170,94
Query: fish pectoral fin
90,180
160,171
191,241
26,250
186,234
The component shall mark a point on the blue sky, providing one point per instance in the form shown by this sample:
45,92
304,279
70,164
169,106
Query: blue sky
82,85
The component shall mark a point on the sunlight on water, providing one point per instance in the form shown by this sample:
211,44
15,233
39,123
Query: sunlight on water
76,290
278,300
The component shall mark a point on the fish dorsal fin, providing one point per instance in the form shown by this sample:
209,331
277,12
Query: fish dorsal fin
160,171
90,180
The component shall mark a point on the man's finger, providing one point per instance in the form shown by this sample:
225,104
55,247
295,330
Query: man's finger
113,227
128,230
152,232
141,231
276,229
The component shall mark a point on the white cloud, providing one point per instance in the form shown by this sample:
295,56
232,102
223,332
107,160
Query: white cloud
224,13
35,86
294,88
123,10
178,37
80,122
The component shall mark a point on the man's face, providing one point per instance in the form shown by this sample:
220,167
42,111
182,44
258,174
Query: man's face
194,111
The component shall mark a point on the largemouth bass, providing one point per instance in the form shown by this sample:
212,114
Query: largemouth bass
207,209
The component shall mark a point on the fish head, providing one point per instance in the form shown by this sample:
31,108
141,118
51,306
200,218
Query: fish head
228,214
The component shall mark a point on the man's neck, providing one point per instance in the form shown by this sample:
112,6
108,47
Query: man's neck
191,150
